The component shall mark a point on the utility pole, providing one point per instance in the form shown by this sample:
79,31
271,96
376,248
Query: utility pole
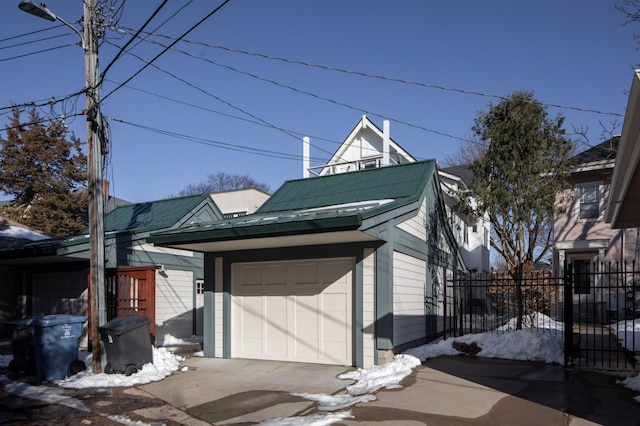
94,172
95,143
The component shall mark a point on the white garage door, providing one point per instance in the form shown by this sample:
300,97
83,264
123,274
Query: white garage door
293,311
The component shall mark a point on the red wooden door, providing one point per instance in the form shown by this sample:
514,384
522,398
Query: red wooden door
131,291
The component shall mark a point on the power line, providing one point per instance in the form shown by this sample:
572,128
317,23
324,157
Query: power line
49,49
211,142
33,41
384,78
31,33
219,99
224,114
123,48
171,45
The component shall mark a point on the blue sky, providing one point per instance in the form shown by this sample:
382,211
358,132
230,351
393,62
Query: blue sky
173,123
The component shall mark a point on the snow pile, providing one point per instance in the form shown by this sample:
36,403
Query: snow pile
170,340
536,320
385,376
368,381
312,420
164,364
628,333
522,345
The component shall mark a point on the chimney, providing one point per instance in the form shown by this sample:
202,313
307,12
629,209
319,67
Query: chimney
105,189
385,143
305,157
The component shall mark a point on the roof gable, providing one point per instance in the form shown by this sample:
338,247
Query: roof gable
384,183
365,141
162,214
603,152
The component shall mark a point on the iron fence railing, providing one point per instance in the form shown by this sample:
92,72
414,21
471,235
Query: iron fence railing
483,302
595,308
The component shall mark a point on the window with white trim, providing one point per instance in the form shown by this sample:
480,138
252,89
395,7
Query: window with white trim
588,201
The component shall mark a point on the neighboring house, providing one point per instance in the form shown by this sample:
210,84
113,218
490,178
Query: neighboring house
12,234
51,276
369,147
581,235
584,240
239,202
343,269
623,208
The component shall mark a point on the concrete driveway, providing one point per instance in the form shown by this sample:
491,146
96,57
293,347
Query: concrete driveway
245,391
449,390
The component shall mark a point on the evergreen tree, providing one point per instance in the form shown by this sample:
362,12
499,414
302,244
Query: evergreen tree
42,166
518,178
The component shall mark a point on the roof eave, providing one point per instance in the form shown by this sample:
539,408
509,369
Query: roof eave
194,237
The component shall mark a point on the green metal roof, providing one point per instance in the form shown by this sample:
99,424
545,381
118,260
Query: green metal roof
393,182
148,216
151,215
319,204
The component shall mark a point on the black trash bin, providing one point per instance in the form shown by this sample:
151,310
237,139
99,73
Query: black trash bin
21,346
127,341
56,339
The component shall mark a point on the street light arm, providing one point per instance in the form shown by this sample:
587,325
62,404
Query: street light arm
41,11
77,31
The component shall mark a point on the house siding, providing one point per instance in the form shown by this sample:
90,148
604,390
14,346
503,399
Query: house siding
416,225
368,311
408,299
218,310
59,293
591,239
174,304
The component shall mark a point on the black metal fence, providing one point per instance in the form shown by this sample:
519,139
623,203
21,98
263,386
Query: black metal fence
594,308
602,315
490,302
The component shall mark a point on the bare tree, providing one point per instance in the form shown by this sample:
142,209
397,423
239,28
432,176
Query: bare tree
221,181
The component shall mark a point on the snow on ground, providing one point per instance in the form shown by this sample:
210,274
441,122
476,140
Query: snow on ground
541,345
164,363
628,333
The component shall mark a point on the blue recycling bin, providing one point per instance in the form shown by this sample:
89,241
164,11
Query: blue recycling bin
55,339
21,346
127,341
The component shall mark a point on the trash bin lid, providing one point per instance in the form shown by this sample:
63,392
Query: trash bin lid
51,320
22,322
120,325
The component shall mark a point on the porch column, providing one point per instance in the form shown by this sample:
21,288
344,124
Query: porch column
562,257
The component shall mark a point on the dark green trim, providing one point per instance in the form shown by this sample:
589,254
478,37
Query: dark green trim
411,245
384,296
358,312
275,228
209,310
294,253
226,308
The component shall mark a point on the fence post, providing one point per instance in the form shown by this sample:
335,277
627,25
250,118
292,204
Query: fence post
568,313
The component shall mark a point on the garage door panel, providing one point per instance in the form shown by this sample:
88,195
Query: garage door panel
306,319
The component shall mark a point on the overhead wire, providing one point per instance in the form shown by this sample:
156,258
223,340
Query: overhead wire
214,11
304,92
385,78
211,142
224,114
123,48
219,99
